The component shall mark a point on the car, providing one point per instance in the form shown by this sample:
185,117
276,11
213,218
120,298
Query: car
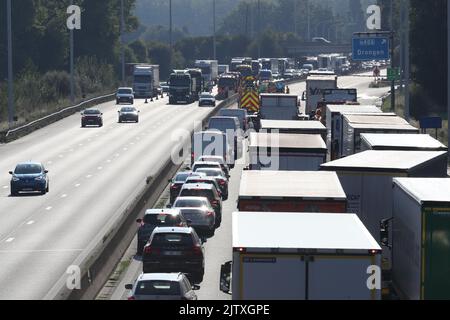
206,164
177,182
218,159
162,286
220,178
212,143
241,114
203,220
29,176
157,218
206,99
91,117
125,94
191,202
164,87
127,114
175,249
204,190
222,187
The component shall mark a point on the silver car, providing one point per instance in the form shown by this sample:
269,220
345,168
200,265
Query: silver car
128,114
162,286
125,95
206,99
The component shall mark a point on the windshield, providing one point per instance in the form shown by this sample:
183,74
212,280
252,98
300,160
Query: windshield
162,220
265,74
28,169
128,109
222,124
266,65
181,177
206,96
210,172
227,82
180,81
193,203
158,288
197,193
142,79
206,70
125,91
91,111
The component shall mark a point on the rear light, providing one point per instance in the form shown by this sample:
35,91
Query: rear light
221,181
196,250
174,186
210,213
131,298
215,202
150,250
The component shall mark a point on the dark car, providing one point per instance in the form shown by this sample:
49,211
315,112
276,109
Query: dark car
128,114
175,249
204,190
208,164
203,220
29,176
91,117
157,218
177,182
220,185
218,159
218,175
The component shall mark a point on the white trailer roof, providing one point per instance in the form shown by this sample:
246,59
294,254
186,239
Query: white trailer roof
290,230
382,159
292,124
287,140
322,77
281,95
402,140
342,108
290,184
426,189
384,126
379,119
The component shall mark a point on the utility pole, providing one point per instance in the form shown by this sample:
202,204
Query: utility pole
448,73
214,29
308,27
407,60
11,116
392,58
170,35
122,40
259,29
72,79
246,19
295,17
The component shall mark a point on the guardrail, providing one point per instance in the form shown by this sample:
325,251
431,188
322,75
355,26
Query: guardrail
99,259
51,118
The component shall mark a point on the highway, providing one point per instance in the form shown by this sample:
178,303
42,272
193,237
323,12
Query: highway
218,248
94,174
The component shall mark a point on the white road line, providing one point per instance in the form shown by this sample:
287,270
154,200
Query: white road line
77,185
5,187
100,168
109,160
61,156
89,176
49,162
125,149
9,240
49,208
80,144
64,196
30,222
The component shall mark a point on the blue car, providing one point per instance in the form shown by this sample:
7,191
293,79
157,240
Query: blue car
29,176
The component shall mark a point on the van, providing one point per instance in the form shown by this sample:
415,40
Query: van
241,114
211,143
232,128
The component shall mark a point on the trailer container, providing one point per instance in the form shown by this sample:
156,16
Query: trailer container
400,141
286,151
300,256
293,126
291,191
421,233
278,106
367,180
315,86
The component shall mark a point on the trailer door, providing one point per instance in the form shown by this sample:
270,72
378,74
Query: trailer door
340,278
272,277
437,255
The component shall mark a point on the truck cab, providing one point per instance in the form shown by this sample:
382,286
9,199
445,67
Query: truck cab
181,87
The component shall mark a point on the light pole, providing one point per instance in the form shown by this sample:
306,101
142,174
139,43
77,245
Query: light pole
72,81
170,35
11,116
295,17
448,73
122,40
214,29
259,29
308,27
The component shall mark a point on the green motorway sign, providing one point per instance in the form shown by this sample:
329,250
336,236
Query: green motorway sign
393,74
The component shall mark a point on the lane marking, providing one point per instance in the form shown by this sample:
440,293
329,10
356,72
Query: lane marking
77,185
30,222
109,160
49,162
9,240
49,208
89,176
5,187
64,196
100,168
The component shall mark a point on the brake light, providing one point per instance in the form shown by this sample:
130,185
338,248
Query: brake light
210,213
131,298
174,186
196,250
150,250
221,182
215,202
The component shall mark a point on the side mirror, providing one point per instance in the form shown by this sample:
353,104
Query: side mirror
189,222
139,220
118,111
195,287
11,172
45,171
129,286
384,233
170,180
169,206
225,277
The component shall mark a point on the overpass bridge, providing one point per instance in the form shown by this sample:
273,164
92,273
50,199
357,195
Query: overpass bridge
316,49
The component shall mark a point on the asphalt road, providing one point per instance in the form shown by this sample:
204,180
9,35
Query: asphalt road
218,248
94,173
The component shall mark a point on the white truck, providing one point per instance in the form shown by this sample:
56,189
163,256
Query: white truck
146,81
211,143
301,256
273,106
288,151
210,70
223,68
315,87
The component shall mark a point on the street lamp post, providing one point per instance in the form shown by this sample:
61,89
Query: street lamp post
122,40
11,116
214,29
72,80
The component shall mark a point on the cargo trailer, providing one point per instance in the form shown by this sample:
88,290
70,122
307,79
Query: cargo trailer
315,86
400,141
278,106
291,191
353,125
292,126
300,256
367,181
286,151
421,233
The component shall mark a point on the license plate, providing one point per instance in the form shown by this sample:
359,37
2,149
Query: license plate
172,253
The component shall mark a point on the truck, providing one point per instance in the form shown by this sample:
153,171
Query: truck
236,61
400,141
367,180
291,191
315,86
421,225
286,151
278,106
270,64
223,68
256,67
212,143
210,71
294,126
182,87
333,120
146,81
197,75
300,256
340,96
227,85
353,125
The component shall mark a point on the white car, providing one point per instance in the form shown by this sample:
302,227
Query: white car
162,286
206,99
125,94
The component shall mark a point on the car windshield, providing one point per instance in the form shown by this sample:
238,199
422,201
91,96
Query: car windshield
158,288
162,220
205,165
207,193
206,96
127,109
91,111
125,91
210,172
222,124
28,169
192,203
211,159
182,176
